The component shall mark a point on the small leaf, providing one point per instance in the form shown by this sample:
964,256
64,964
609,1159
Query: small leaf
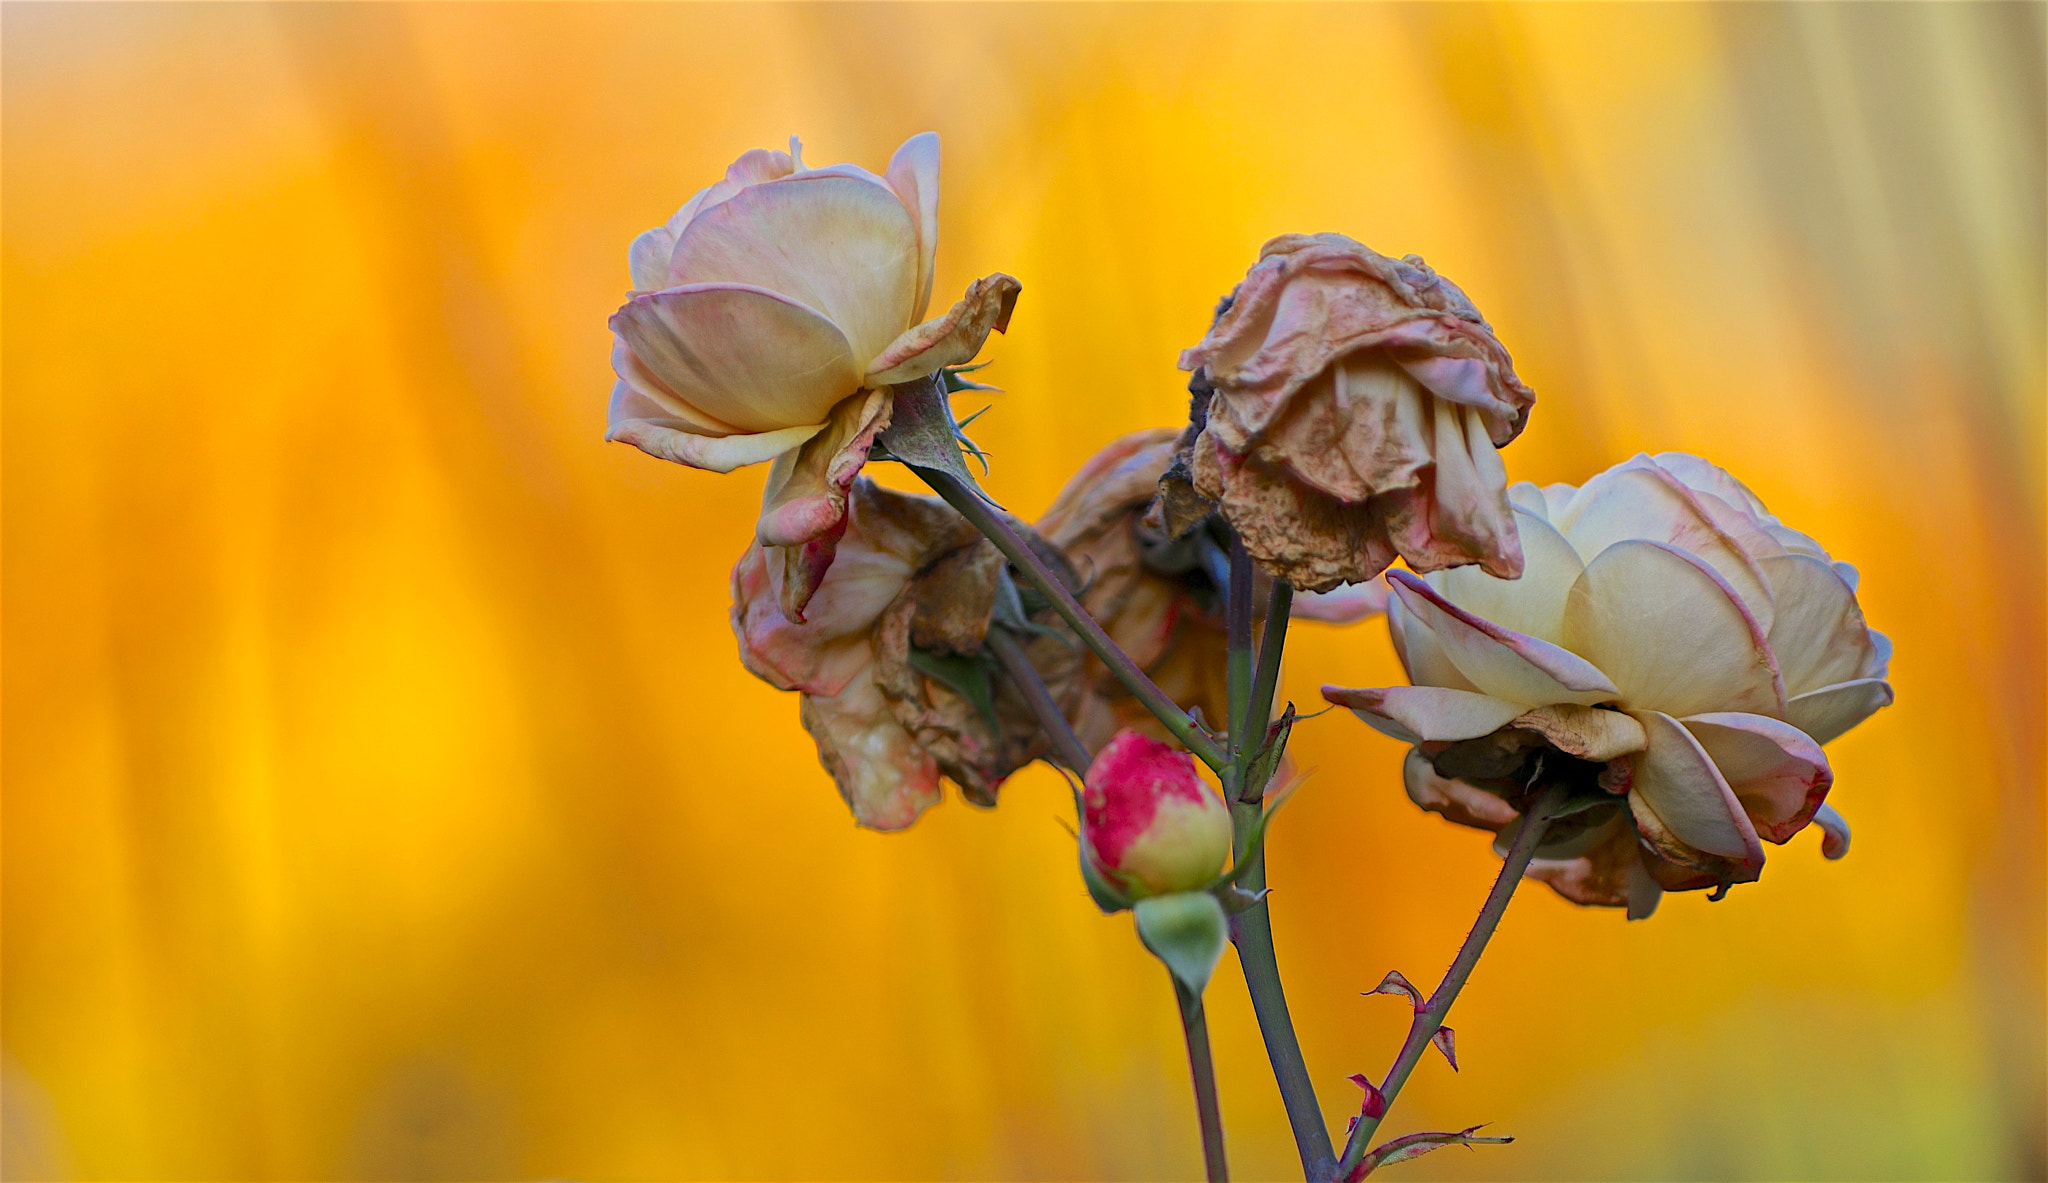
1266,761
1394,983
1416,1145
1446,1043
967,677
1187,930
1375,1103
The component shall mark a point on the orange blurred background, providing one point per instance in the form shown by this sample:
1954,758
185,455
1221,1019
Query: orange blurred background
383,799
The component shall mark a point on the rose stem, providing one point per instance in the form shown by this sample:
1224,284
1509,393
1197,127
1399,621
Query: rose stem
1195,1024
1426,1023
1237,620
1009,652
990,523
1252,930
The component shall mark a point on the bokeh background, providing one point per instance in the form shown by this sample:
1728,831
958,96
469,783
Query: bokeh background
383,798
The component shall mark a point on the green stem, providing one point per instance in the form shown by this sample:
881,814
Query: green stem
1194,1023
1252,932
1272,642
991,523
1237,624
1431,1019
1009,653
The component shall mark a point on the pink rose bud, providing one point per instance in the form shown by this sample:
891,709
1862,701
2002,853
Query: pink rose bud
1152,826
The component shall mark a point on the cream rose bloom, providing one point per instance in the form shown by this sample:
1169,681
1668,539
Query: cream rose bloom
1358,404
1672,651
772,314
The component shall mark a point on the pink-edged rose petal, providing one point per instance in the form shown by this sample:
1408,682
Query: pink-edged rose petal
1425,714
1834,832
1456,800
648,426
1678,793
914,174
1532,605
1776,771
744,356
1819,634
1505,664
1671,633
1826,713
952,339
840,245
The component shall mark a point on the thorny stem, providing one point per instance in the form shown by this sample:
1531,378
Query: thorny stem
1009,653
1194,1024
1252,930
991,524
1431,1017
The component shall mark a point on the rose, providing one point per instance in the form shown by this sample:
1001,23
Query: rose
773,313
1358,402
1672,651
913,590
1148,824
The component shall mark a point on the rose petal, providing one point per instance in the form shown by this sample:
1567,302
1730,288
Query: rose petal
840,245
1508,665
914,174
1829,711
950,340
803,508
746,358
1834,832
1422,657
1819,635
1678,793
823,653
885,777
1347,604
1588,733
1419,714
1454,799
1532,605
647,259
1775,769
1640,500
1671,633
648,426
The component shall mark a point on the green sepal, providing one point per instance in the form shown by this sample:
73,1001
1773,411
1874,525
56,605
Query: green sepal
1266,761
1254,846
1187,930
923,434
967,677
1105,895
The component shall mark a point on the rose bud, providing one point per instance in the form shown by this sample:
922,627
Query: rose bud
1151,826
772,314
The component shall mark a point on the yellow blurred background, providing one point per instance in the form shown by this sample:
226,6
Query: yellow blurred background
383,799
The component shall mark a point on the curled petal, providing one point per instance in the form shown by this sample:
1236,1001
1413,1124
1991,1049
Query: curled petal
803,509
1599,874
1425,714
1671,633
1508,665
1776,771
645,424
1826,713
1587,733
744,358
885,777
840,245
1684,808
1421,656
1348,604
952,339
914,174
1834,832
1819,635
1456,800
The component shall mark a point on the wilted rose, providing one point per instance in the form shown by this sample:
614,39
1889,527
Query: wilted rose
1358,402
1672,652
1151,827
1160,599
773,313
886,659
